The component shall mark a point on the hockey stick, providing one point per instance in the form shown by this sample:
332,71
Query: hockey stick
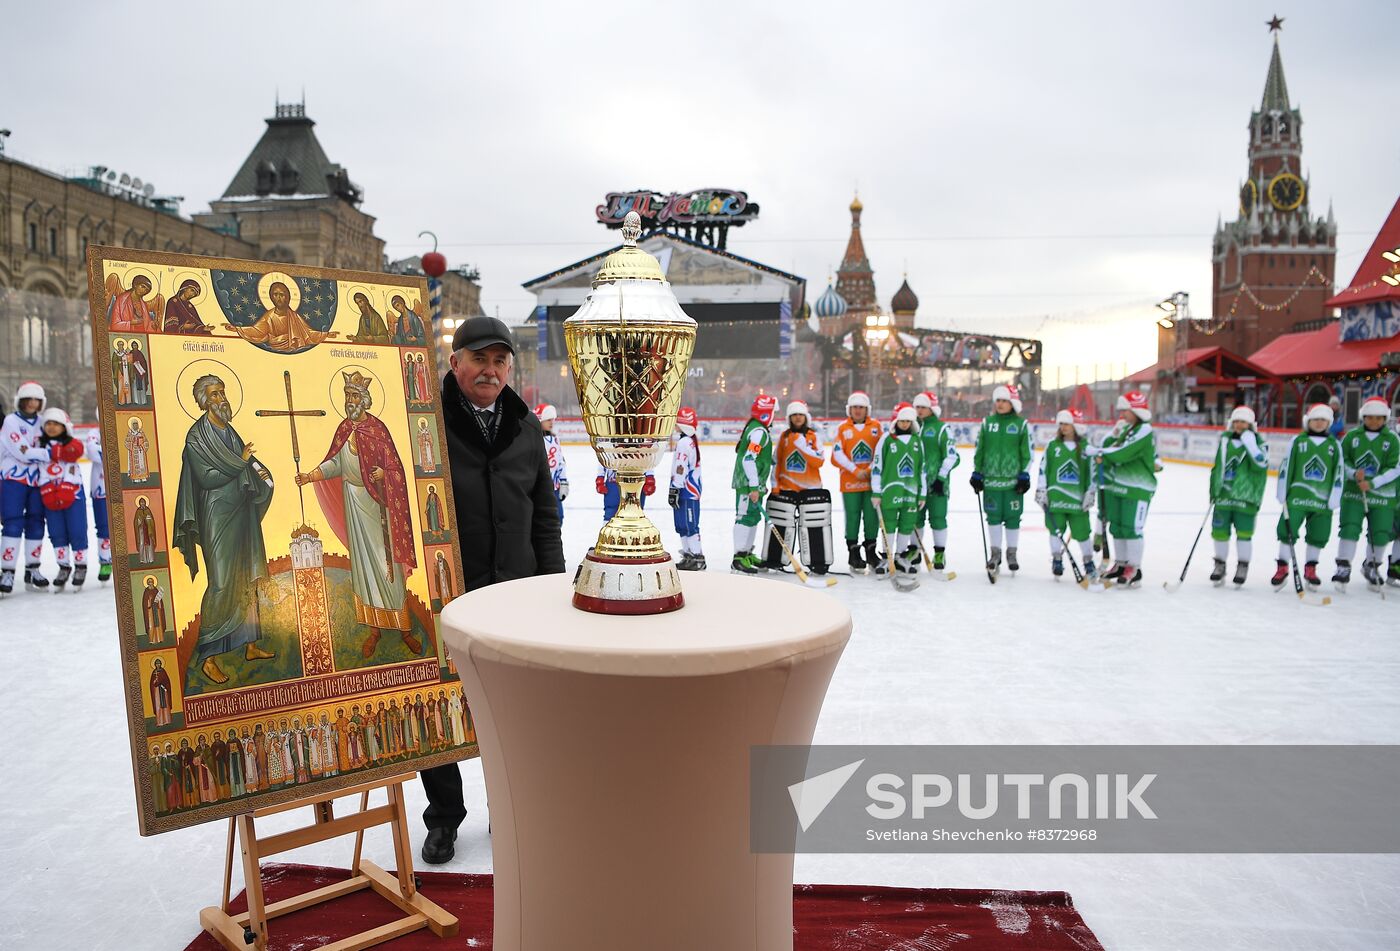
1079,578
895,580
928,562
1175,586
1293,560
797,568
982,521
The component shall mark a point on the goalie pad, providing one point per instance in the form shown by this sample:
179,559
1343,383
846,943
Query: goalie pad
814,515
782,515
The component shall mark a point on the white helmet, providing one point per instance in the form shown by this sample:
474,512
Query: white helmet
55,415
29,390
1319,411
1242,414
858,398
1375,406
907,414
1001,393
797,406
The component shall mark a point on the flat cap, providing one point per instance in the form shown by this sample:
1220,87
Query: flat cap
478,333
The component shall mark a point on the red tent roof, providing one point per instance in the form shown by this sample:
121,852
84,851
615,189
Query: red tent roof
1322,352
1220,366
1367,285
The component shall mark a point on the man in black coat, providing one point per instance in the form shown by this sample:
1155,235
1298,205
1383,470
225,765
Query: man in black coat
507,517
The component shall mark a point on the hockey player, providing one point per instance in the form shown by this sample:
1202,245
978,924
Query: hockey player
554,452
1128,458
606,484
21,506
1066,491
65,507
898,480
940,459
753,462
1370,468
1309,488
853,454
1001,471
1236,488
800,508
97,491
684,494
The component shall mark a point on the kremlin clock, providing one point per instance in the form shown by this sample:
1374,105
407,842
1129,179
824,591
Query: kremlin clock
1249,194
1286,191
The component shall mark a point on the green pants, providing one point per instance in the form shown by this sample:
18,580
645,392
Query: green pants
1077,520
1222,520
1316,526
935,512
1003,507
1125,515
1379,519
860,505
748,513
900,509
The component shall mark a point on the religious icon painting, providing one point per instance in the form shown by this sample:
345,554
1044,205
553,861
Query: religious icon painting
283,502
136,444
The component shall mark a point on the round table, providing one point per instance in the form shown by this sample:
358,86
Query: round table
616,754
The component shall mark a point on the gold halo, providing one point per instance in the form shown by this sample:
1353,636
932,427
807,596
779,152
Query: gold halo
135,422
201,279
351,290
149,578
272,277
184,385
337,389
131,272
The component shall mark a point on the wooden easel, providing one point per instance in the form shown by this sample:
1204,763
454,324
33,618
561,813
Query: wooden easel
249,929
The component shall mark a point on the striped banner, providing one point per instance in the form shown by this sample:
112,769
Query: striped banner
435,300
785,329
542,331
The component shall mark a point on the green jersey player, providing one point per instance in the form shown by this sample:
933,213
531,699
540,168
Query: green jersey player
1236,488
940,459
1370,467
1128,470
897,481
1001,471
1066,491
753,463
1309,489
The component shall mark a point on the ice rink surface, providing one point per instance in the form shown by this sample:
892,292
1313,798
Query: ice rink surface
1030,660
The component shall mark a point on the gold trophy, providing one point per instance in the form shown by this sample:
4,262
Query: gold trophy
629,346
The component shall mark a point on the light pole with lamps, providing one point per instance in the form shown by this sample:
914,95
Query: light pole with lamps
1176,317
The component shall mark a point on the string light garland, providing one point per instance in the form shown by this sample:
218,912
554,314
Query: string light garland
1215,325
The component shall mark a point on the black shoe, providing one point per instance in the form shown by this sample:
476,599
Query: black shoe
856,562
1241,572
1057,566
35,580
438,847
872,557
61,578
79,575
1217,573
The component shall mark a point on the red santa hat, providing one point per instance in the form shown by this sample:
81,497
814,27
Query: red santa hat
1375,406
686,420
763,407
1136,401
546,412
899,406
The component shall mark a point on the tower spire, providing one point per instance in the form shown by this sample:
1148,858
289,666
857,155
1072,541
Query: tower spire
1275,88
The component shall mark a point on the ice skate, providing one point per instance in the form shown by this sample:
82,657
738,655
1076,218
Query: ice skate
1370,570
1342,577
79,576
104,572
1057,566
7,581
1280,575
697,563
1130,577
1241,573
1393,575
34,580
1310,576
854,560
740,565
1011,562
61,579
1091,571
683,562
994,562
1217,573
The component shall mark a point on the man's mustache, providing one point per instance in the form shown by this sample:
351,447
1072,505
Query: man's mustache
488,378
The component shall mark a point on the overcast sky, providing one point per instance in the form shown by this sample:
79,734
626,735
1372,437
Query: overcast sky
1047,169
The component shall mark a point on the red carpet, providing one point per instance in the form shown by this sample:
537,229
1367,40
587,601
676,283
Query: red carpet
827,917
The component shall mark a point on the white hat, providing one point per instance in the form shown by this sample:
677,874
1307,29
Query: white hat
1001,393
546,412
923,400
858,398
907,414
1242,414
1064,416
29,390
795,407
1375,406
55,415
1319,411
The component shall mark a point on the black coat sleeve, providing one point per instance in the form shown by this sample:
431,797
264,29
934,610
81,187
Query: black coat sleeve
545,534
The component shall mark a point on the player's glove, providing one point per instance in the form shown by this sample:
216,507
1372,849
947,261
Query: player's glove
1023,483
601,483
938,488
976,482
649,486
673,497
875,501
1041,498
1088,504
563,490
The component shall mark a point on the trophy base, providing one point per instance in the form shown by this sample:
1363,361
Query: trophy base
628,586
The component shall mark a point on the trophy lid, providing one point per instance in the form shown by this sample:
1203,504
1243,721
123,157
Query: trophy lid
629,262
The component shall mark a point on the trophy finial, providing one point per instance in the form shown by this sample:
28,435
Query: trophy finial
631,229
